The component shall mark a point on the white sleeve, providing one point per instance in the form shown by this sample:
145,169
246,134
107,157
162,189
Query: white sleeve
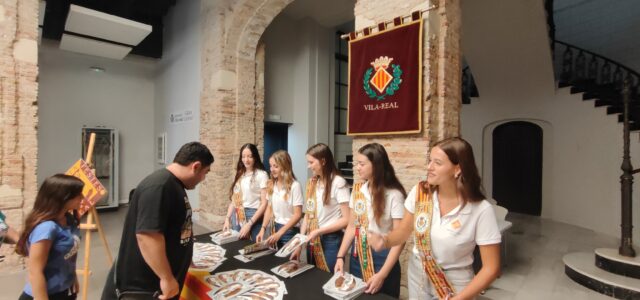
262,179
296,194
397,209
487,232
410,202
351,200
342,194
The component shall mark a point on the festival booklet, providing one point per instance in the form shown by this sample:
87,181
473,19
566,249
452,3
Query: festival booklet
291,268
295,242
250,257
224,237
207,257
245,284
344,286
253,248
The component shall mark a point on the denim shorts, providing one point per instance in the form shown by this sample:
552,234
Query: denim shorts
248,213
391,285
330,245
287,236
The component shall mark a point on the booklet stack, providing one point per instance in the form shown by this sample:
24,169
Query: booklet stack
253,251
207,257
291,245
344,286
224,237
245,284
291,269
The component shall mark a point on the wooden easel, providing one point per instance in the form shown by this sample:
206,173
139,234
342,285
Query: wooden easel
91,226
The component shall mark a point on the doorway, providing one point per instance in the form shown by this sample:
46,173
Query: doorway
517,167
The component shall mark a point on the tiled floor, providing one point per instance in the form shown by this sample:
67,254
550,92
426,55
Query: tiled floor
534,267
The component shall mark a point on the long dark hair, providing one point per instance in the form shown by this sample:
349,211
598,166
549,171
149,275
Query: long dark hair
460,153
52,197
322,153
241,169
383,177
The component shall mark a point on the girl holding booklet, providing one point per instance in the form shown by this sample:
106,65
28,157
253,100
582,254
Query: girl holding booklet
376,205
284,196
326,209
448,217
248,194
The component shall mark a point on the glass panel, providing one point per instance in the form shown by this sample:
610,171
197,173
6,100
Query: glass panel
336,121
344,96
344,47
344,72
343,120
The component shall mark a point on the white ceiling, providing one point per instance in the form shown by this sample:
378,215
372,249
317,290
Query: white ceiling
328,13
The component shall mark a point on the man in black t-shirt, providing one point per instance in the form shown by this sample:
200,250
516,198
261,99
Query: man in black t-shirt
157,238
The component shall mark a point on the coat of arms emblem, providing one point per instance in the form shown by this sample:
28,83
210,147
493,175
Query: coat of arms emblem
378,77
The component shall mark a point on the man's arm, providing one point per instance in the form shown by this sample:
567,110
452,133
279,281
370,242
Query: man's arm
152,247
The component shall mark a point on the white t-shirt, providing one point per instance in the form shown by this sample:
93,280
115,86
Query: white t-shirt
330,213
283,209
251,187
393,209
455,235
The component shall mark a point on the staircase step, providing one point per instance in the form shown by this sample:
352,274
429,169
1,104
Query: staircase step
609,260
580,268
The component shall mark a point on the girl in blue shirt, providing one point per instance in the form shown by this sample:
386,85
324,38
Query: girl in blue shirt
50,240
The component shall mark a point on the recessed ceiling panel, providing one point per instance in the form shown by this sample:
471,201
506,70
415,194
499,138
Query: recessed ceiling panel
93,47
91,22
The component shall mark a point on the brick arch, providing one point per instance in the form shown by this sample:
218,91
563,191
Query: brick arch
232,99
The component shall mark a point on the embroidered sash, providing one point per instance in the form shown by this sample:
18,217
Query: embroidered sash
423,216
272,223
311,209
362,249
236,199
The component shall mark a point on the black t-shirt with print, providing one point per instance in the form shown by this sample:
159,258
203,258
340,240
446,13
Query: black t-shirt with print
158,204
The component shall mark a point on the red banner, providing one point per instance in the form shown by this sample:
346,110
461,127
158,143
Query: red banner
385,81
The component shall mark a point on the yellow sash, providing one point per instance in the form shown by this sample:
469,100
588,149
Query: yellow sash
423,216
236,199
310,209
361,246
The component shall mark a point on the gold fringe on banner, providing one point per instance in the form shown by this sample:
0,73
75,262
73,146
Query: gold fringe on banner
383,25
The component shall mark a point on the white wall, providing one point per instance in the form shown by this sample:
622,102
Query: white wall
299,55
178,82
582,146
71,95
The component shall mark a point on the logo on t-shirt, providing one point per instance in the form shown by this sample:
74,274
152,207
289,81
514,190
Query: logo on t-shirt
186,234
74,249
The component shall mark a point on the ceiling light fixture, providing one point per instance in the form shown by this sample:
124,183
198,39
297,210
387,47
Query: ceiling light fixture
97,69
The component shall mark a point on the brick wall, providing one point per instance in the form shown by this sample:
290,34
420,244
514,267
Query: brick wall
232,105
18,114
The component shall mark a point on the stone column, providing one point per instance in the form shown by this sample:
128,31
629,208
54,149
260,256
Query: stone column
18,114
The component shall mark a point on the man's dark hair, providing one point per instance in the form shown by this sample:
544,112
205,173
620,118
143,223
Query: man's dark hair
192,152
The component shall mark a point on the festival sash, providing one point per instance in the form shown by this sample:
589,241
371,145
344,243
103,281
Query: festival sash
236,199
310,209
360,243
423,217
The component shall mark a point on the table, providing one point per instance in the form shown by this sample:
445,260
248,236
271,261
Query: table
307,286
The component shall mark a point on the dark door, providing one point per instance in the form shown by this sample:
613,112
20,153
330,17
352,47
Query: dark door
517,167
275,138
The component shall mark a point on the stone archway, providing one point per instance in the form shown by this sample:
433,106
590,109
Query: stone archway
232,98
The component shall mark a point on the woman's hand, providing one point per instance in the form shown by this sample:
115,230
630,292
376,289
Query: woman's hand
338,269
313,234
260,235
376,241
274,238
244,231
75,288
226,225
296,254
375,283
